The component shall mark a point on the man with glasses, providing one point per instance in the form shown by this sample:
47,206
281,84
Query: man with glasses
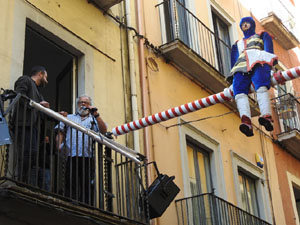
78,147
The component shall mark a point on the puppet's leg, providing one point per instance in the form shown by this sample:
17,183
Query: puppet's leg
243,106
241,85
261,80
263,99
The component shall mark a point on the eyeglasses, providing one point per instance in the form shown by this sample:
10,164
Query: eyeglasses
83,102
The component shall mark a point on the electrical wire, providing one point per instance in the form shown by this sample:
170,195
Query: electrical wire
201,119
147,43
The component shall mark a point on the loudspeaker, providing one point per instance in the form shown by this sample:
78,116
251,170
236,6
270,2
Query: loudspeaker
160,194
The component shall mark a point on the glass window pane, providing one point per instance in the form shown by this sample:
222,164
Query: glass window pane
202,172
192,175
242,191
252,196
248,194
199,170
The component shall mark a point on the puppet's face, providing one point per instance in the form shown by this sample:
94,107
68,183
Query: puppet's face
245,26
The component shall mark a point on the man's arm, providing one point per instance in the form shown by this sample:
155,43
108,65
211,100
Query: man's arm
101,124
59,139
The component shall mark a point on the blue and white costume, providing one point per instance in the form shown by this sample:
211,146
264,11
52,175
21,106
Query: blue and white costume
251,62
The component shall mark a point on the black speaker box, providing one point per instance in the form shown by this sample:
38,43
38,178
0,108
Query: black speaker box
160,194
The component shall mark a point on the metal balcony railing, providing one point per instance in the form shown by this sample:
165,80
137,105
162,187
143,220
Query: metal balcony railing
99,173
208,209
287,108
179,23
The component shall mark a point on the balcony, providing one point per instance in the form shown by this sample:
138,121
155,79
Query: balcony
194,49
104,4
282,35
279,19
42,182
287,108
211,210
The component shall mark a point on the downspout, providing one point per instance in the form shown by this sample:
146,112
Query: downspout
145,99
134,108
142,66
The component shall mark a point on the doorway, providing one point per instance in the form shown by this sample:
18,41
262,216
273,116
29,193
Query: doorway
59,63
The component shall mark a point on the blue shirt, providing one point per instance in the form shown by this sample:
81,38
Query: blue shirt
79,140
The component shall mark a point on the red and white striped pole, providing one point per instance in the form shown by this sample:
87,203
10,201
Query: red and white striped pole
225,96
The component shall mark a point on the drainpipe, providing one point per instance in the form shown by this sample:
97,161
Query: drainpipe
142,66
145,99
133,93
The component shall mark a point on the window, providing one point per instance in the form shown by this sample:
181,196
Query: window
181,21
199,181
297,200
250,188
248,194
222,42
199,169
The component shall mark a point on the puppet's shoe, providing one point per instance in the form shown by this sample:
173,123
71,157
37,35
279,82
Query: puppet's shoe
246,126
266,121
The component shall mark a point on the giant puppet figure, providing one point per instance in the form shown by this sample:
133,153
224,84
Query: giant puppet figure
252,59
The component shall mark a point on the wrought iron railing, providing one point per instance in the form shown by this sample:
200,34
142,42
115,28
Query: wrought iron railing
288,110
208,209
97,172
179,23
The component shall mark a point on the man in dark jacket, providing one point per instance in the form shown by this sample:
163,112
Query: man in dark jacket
26,122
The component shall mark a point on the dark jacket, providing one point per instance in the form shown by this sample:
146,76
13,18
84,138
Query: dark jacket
26,86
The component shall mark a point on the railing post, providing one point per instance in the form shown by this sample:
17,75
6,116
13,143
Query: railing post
108,176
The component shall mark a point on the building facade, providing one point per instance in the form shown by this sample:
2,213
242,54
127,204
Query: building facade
205,150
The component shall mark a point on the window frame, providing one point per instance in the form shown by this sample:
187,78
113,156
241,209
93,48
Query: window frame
292,182
254,207
84,52
223,58
216,162
257,173
206,155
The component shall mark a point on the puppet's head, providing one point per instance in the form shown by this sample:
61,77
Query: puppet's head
248,33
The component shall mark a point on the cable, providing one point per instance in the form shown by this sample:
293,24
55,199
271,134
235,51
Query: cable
147,43
205,118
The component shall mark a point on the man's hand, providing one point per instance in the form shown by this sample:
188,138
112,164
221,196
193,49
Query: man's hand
45,104
63,113
93,110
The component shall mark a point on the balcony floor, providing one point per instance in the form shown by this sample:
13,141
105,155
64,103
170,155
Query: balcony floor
21,206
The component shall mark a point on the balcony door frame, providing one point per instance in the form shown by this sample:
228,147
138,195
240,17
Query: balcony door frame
190,37
56,33
226,18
